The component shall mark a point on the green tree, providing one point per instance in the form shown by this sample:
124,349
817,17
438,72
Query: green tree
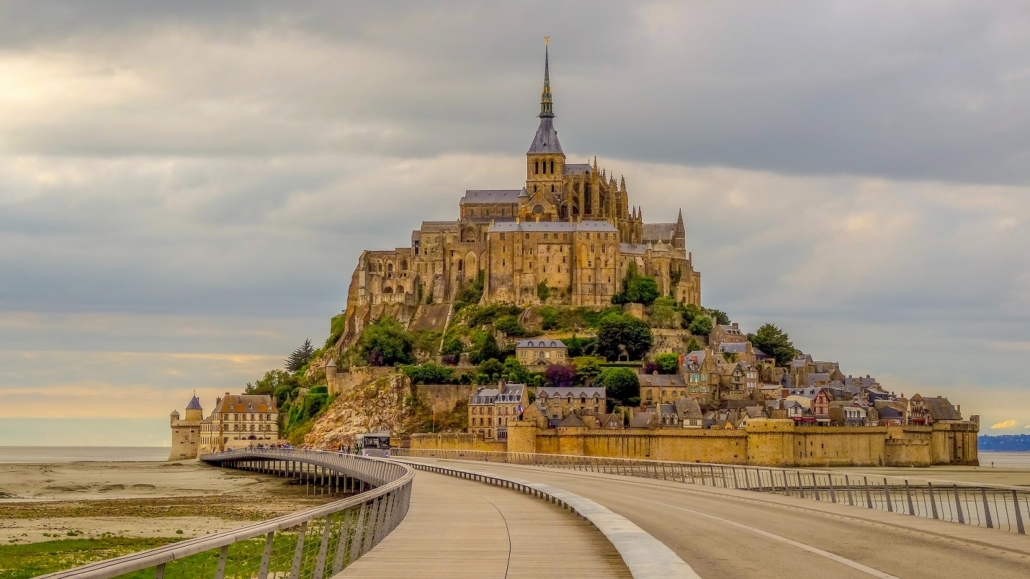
273,381
667,363
664,314
490,371
587,370
619,384
775,342
688,313
485,348
385,342
721,317
513,371
701,326
636,289
693,345
619,331
300,357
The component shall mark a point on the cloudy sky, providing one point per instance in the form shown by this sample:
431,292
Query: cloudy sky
185,187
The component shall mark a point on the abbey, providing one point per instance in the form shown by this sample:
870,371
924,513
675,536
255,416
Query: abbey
569,235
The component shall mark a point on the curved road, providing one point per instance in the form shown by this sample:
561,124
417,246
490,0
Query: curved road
725,533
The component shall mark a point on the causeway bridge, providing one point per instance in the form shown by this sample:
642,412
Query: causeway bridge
495,514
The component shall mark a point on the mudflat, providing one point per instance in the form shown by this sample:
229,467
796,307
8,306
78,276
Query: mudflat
45,502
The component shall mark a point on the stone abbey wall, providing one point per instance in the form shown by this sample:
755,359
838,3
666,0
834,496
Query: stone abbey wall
764,442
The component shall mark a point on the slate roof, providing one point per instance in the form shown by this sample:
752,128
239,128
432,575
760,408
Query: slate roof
194,403
577,169
941,409
539,344
633,248
659,231
503,196
688,409
548,226
642,420
662,380
546,138
246,403
572,421
574,391
438,226
698,354
733,347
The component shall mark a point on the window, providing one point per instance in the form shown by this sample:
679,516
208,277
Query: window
536,168
552,172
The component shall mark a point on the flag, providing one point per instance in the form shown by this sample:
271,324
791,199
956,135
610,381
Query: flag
520,408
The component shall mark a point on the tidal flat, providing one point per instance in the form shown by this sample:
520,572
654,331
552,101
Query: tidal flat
58,516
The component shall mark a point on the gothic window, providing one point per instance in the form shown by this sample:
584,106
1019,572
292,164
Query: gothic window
552,172
536,168
552,188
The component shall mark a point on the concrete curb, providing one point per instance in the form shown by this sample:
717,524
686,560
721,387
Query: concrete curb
645,556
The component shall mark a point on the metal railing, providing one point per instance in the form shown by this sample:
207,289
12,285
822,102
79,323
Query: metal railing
314,543
988,506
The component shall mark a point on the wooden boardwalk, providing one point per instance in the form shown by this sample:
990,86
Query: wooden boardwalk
460,528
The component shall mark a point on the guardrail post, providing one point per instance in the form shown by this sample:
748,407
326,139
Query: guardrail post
159,571
266,556
847,485
222,556
801,486
357,540
323,548
958,506
933,502
868,494
908,493
298,553
887,496
1019,513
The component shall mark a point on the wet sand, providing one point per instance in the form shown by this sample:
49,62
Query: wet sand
42,502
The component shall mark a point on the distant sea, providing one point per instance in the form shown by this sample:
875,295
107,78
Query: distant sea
48,454
1005,459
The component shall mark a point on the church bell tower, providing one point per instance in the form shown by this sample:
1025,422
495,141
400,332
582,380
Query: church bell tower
545,161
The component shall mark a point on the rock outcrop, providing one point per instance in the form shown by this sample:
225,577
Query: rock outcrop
370,407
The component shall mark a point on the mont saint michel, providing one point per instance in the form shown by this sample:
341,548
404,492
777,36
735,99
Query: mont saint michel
569,232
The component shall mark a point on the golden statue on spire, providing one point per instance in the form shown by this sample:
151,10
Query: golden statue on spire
547,40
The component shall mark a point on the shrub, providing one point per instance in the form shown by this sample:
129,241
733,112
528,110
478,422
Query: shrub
319,390
637,289
667,363
470,294
429,374
452,346
485,348
513,371
542,291
693,345
625,331
385,342
560,375
510,325
664,314
314,403
492,371
619,384
580,346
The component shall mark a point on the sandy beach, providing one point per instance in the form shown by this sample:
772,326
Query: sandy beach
42,502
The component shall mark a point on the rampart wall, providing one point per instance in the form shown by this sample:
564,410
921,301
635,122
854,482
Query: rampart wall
764,442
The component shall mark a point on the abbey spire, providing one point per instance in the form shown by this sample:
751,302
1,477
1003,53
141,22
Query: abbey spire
546,139
545,96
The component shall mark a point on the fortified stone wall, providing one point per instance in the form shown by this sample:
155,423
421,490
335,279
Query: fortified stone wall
444,397
455,441
765,443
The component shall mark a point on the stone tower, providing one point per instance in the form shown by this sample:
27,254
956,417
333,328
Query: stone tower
186,433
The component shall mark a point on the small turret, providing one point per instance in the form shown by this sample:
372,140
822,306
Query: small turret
174,417
194,410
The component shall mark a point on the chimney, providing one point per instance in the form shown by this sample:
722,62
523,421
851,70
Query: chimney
735,326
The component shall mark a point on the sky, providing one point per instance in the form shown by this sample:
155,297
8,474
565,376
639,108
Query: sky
185,187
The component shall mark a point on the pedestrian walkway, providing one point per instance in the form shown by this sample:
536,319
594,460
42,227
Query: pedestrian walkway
459,528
